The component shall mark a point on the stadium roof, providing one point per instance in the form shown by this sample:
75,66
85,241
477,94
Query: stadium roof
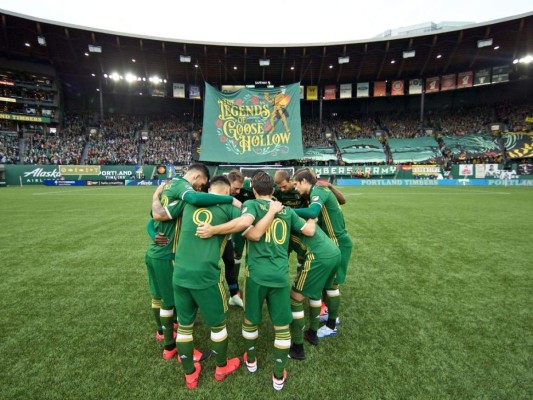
434,54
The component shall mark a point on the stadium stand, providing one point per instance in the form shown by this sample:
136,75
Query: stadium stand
61,107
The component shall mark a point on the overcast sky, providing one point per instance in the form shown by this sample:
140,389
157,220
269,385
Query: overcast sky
269,22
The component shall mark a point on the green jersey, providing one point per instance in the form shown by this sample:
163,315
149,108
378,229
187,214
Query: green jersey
291,198
320,245
170,229
267,259
196,263
176,194
330,216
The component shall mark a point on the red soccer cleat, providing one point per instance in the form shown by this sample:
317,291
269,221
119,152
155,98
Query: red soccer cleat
168,354
191,380
323,309
231,366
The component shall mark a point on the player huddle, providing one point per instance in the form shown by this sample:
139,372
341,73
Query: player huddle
190,231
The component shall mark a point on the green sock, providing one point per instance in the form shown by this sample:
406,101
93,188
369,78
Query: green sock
298,321
314,313
184,341
219,344
175,319
250,335
282,343
167,319
333,301
156,307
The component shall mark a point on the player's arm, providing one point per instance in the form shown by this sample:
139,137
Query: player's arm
159,213
201,199
205,230
150,229
313,211
338,194
158,238
254,233
309,227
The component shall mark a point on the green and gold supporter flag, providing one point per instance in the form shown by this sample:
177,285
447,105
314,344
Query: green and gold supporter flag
519,145
252,125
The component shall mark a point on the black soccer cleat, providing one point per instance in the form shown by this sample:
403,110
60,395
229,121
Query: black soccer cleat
311,337
296,354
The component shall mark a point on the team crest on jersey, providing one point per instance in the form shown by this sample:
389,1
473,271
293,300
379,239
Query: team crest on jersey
315,198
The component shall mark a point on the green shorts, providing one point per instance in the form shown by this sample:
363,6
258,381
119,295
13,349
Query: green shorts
212,302
316,275
160,279
277,299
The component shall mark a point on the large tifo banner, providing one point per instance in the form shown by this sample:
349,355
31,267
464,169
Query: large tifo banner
519,145
252,125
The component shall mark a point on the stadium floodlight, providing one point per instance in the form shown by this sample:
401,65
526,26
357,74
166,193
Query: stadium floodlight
41,40
409,54
130,77
484,43
185,59
264,62
524,60
95,49
344,60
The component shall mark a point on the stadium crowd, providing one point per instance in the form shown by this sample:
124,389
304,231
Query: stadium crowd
170,140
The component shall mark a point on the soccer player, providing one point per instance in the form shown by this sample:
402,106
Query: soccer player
189,188
159,264
236,179
267,273
325,207
160,261
289,196
322,259
198,284
245,193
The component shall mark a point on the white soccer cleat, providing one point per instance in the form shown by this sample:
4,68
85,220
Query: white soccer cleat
278,383
236,301
251,366
324,332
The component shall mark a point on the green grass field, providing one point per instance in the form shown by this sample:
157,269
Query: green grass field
438,302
